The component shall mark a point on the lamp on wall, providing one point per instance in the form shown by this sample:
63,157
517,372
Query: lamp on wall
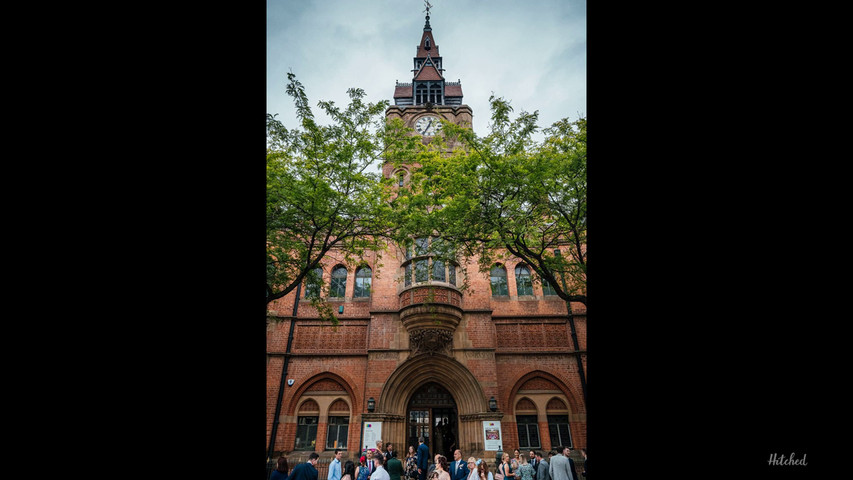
493,404
371,404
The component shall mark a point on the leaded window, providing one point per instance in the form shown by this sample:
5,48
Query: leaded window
336,436
339,283
528,431
522,280
362,282
306,433
498,280
558,428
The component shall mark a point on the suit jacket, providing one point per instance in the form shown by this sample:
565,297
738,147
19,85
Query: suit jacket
423,456
560,468
394,468
461,473
572,466
533,463
303,471
542,471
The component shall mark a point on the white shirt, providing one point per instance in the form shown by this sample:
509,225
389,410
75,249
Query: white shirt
380,474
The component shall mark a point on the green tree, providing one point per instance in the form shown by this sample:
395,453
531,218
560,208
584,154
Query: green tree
506,194
321,194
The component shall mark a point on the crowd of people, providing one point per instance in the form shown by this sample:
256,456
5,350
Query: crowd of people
382,464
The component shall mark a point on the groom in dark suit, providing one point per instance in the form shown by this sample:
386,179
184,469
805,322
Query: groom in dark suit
459,467
423,459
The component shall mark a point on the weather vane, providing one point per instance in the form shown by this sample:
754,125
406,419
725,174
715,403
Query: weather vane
428,6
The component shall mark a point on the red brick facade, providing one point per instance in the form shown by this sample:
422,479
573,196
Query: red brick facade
515,349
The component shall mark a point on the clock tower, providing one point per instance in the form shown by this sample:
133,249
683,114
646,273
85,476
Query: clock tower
428,97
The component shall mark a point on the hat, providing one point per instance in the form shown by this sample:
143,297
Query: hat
363,459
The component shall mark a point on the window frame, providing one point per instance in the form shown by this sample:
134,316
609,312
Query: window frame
363,279
505,281
330,425
553,424
534,423
338,281
527,279
308,440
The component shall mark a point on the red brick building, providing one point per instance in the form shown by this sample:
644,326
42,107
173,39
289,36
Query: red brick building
417,354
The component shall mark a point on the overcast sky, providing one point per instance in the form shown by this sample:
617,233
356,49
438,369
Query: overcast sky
532,53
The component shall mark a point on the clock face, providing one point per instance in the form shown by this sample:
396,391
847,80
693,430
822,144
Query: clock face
428,126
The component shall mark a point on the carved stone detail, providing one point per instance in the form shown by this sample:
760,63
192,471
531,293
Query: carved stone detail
431,341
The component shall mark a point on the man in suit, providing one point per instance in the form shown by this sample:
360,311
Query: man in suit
560,468
423,459
533,463
458,467
567,452
307,470
389,453
541,467
394,466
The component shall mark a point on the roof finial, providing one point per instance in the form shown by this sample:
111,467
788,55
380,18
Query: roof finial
428,6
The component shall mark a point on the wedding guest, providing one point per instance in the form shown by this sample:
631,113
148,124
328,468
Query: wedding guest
280,472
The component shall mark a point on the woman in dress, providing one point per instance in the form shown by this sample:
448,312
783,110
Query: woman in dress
441,468
361,472
505,468
473,473
411,463
349,471
525,470
485,474
516,459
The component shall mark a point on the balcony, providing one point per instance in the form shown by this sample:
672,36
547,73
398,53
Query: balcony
431,314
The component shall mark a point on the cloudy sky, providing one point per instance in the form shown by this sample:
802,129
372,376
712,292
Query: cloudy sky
530,53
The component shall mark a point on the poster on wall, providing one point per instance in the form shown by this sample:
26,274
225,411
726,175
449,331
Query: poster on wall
372,433
492,435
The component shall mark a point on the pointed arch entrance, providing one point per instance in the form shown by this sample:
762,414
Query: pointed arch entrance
432,414
469,404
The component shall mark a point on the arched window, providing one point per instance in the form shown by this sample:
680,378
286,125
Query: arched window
362,282
338,426
339,282
522,280
306,425
401,177
498,280
528,428
558,422
314,283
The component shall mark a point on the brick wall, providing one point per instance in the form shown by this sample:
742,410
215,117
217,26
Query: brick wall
499,340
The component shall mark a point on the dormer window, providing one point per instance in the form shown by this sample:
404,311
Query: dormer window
426,43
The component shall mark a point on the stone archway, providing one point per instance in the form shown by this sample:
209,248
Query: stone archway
470,401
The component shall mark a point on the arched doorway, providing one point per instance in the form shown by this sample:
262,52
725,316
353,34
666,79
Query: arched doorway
432,414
